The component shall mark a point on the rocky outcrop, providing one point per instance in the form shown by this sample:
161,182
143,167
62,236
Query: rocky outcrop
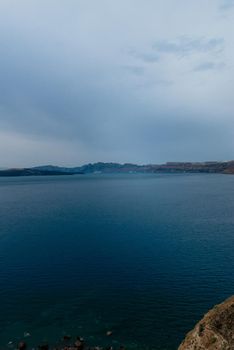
215,331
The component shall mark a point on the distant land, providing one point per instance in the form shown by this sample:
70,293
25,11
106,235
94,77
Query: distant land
226,167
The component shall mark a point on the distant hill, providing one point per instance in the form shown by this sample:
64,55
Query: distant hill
30,172
55,168
100,167
196,167
169,167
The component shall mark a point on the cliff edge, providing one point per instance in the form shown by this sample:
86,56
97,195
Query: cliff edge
215,331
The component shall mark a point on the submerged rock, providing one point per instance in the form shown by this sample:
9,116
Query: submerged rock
215,331
27,334
43,347
22,345
66,337
79,344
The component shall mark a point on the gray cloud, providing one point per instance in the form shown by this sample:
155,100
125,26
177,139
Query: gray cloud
147,57
227,4
137,70
187,46
70,94
209,66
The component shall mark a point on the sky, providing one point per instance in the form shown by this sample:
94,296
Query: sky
142,81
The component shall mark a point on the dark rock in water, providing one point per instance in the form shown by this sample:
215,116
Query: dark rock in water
43,347
215,331
22,345
66,337
79,344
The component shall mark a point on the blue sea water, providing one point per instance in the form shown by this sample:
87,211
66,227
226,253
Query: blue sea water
144,256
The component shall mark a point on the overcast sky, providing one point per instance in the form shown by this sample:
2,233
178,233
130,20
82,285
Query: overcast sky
142,81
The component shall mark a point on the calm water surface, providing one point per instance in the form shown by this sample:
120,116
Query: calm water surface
142,255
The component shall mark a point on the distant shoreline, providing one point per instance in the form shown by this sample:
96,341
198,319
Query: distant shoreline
213,167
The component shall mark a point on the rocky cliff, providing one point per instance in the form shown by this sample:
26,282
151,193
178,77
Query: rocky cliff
215,331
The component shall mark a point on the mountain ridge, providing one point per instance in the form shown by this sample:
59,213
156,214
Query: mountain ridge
226,167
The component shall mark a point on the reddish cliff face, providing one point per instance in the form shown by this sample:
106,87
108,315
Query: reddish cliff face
215,331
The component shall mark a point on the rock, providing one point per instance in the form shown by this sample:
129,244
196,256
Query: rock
215,331
22,345
43,347
66,337
79,344
27,334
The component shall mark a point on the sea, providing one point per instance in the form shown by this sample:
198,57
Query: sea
143,256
